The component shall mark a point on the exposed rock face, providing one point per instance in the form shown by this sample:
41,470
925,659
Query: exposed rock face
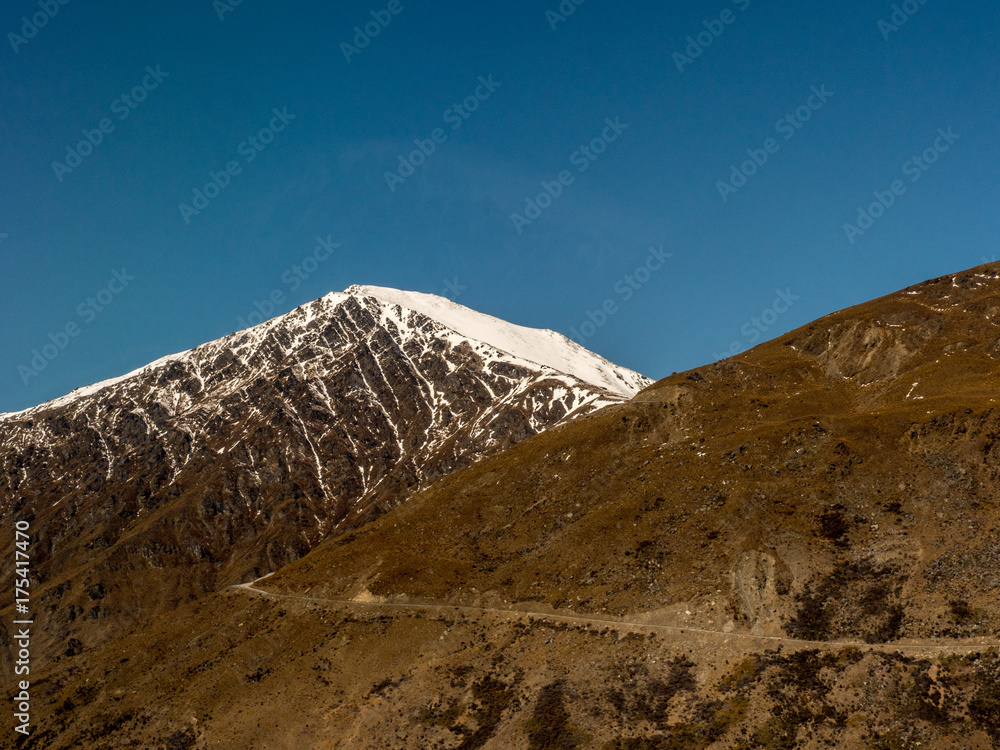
759,580
235,458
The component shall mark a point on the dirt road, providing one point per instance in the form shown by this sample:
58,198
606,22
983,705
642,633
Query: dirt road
932,647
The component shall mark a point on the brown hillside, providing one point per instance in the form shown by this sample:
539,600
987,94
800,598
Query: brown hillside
852,462
797,547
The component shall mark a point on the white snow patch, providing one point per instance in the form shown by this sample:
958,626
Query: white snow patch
541,346
90,390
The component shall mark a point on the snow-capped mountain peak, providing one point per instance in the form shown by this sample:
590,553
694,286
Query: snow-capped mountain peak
540,346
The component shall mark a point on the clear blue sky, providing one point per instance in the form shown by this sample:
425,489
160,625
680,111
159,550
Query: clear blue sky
552,91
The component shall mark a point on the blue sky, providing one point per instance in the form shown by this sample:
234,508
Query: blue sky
93,238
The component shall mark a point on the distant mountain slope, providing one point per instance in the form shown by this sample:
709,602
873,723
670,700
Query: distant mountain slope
239,456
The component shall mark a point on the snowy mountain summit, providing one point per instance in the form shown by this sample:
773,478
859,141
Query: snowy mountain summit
540,347
242,454
535,347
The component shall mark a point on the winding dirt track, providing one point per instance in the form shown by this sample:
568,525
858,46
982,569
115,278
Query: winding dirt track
947,647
